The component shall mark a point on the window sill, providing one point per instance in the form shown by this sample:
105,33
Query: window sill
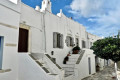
6,70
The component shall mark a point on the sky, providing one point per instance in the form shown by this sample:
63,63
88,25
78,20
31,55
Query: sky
100,17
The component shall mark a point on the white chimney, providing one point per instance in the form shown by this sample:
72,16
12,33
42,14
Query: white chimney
61,11
37,8
60,14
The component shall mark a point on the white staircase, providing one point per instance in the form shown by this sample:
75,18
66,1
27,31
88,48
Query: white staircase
30,69
42,64
70,64
37,66
74,59
48,65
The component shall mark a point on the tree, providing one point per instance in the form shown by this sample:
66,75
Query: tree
108,48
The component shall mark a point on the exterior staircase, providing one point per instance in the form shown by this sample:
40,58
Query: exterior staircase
48,65
41,64
74,59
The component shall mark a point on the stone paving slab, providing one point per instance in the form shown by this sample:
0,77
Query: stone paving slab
105,74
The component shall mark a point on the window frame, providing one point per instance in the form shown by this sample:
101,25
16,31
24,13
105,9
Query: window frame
58,40
70,42
1,51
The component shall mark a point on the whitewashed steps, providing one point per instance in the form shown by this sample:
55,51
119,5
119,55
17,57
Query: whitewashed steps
43,65
70,64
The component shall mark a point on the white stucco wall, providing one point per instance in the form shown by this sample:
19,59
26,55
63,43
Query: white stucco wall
9,23
52,23
82,69
30,70
34,19
41,28
65,26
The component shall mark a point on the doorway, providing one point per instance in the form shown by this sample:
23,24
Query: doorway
97,64
89,65
77,41
23,40
1,51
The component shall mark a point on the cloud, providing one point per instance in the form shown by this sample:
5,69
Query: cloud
87,8
104,14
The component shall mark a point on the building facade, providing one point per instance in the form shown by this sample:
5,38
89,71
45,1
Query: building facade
34,43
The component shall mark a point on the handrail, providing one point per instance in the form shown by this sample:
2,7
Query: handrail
53,61
45,69
6,70
32,57
40,64
80,57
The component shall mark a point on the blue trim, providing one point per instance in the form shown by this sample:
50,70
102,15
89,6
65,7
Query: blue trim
1,51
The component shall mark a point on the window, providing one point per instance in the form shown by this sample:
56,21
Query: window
14,1
57,40
43,2
1,51
48,2
77,42
69,41
83,44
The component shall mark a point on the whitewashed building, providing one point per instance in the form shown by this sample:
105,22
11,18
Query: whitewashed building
34,43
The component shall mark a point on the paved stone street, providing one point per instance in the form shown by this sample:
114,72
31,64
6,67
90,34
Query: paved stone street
105,74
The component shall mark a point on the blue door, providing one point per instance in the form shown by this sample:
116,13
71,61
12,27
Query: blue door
1,51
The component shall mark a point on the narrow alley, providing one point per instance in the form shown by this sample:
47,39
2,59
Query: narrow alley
106,74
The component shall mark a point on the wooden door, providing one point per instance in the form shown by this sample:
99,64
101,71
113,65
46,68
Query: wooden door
23,40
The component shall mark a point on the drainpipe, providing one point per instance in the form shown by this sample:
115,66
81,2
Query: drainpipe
44,32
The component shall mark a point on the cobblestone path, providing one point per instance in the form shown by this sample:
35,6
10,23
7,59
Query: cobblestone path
105,74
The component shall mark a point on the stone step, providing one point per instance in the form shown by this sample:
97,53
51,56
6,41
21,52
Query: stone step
68,62
69,72
72,60
69,65
72,68
75,54
66,75
76,57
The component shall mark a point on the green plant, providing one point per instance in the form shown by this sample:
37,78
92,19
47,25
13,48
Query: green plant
107,48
